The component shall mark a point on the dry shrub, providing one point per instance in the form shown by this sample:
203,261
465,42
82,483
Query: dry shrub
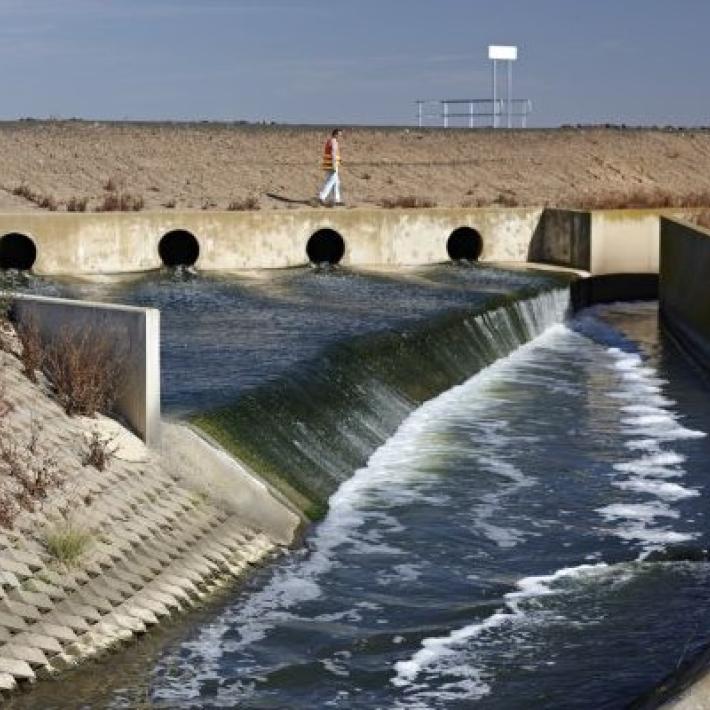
99,452
244,205
121,202
409,202
111,184
24,190
32,351
77,204
47,202
506,199
170,204
643,198
85,370
28,474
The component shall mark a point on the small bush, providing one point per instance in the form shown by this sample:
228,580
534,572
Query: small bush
407,202
85,371
170,204
47,202
99,452
244,205
111,185
67,543
121,202
77,204
28,474
23,190
366,176
32,351
506,199
9,510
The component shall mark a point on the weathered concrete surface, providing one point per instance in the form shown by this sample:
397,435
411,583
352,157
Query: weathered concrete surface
563,238
624,241
683,293
93,243
603,241
237,489
136,334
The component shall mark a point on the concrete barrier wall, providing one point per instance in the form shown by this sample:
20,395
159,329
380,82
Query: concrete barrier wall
624,241
602,241
91,243
683,288
562,238
136,332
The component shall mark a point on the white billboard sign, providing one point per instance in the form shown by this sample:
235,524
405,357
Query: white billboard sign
496,51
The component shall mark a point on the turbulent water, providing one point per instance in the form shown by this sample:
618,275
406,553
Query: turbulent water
499,550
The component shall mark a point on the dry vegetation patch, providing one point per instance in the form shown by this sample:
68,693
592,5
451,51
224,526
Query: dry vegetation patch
408,202
644,198
84,369
244,204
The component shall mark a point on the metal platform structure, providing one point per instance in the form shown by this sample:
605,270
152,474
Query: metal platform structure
474,113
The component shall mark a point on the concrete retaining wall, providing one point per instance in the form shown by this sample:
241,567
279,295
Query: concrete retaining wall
602,241
683,291
126,242
562,238
136,332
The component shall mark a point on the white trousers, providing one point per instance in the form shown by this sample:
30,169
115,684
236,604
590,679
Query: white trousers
332,182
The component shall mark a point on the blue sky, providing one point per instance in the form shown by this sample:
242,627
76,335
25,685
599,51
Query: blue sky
355,61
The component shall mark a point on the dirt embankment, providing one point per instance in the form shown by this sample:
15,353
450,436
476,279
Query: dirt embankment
209,166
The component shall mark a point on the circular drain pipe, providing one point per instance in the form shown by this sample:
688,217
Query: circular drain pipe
326,246
17,251
464,244
179,248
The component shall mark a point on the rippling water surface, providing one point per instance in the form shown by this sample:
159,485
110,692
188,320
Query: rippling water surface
496,552
223,334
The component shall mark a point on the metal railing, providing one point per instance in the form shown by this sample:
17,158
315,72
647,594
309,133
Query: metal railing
447,112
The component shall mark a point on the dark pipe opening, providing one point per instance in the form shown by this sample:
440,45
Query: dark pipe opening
326,246
17,251
179,248
464,244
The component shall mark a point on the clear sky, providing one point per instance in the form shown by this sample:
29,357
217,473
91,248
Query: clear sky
351,61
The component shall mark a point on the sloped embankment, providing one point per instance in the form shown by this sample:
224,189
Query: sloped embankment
96,557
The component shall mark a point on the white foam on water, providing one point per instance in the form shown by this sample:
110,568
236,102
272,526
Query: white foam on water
440,655
386,479
651,426
662,489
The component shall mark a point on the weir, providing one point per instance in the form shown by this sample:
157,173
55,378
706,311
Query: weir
490,474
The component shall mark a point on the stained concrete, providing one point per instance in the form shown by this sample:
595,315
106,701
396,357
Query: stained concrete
103,243
136,335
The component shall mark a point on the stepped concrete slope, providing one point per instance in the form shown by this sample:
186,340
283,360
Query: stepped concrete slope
160,531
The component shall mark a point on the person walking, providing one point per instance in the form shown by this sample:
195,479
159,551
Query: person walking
331,165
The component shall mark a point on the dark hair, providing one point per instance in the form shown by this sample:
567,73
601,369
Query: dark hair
335,132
